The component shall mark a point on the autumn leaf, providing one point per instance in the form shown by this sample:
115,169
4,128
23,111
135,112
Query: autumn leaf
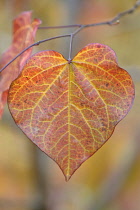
70,109
23,35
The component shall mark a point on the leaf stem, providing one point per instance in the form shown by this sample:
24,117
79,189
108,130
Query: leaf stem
111,22
71,41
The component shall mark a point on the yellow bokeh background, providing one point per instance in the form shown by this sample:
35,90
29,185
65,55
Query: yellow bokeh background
109,180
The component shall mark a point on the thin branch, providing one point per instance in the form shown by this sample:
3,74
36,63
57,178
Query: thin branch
32,45
113,21
117,18
59,27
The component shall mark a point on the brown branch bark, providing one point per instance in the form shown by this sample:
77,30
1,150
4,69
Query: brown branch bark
80,27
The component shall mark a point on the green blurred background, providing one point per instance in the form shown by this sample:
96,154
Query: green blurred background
110,180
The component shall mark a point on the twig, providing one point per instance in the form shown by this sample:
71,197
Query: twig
59,27
32,45
110,22
113,21
117,17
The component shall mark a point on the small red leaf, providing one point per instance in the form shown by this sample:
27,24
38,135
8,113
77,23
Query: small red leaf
23,35
70,110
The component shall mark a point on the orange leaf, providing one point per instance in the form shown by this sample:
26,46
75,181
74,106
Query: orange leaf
23,35
70,110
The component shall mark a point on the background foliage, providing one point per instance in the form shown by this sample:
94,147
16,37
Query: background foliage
109,180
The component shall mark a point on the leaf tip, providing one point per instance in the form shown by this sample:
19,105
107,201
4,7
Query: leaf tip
67,177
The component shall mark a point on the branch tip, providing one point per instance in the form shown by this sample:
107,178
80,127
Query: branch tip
113,21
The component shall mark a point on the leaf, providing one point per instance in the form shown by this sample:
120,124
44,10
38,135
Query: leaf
23,35
70,110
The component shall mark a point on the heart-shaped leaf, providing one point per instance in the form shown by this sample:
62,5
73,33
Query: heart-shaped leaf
70,109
